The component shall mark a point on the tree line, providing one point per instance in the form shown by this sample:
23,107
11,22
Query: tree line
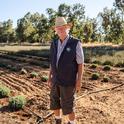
108,26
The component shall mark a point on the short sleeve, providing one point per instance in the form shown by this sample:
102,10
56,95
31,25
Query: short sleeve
79,53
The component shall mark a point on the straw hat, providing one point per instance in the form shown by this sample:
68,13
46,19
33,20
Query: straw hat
61,21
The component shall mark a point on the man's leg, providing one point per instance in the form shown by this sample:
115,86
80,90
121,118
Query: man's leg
58,119
57,113
67,102
55,103
71,116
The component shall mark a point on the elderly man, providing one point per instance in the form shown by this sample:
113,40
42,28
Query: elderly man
66,68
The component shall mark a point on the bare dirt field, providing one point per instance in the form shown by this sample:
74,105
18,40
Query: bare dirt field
101,107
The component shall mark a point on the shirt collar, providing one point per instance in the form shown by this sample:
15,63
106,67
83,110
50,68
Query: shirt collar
65,41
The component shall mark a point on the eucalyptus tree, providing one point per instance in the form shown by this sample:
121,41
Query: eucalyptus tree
76,17
7,32
51,19
74,14
95,33
87,30
43,28
24,28
111,25
120,5
32,27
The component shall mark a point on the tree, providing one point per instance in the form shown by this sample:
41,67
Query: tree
7,33
112,26
25,28
120,5
88,30
32,27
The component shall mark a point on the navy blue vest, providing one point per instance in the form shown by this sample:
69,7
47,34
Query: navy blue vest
66,72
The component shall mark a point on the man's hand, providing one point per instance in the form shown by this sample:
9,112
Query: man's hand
78,85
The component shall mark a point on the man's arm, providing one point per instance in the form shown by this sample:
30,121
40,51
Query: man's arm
79,76
80,62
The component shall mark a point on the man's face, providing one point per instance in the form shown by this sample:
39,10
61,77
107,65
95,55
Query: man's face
62,30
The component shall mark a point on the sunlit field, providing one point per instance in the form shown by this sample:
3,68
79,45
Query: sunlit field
24,73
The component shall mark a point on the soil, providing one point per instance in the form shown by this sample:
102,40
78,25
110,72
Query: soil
105,107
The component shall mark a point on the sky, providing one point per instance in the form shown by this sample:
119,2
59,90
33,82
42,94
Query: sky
16,9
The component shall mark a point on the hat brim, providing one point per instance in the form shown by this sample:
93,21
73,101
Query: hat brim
68,25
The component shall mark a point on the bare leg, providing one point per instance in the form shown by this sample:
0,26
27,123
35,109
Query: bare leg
57,117
71,116
57,112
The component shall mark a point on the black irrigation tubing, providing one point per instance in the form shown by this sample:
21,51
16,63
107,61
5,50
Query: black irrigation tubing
92,92
41,119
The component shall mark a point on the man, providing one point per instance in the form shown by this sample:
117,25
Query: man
66,67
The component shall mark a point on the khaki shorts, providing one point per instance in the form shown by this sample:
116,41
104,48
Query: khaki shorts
62,97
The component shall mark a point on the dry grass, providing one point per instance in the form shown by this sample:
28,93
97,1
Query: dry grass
118,57
20,48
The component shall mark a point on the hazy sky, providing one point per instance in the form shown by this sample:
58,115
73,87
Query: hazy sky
15,9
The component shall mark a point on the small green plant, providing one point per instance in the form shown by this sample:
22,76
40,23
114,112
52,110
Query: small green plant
95,76
3,65
33,74
14,69
96,62
17,102
107,62
9,66
107,68
93,66
23,71
44,78
105,79
45,65
122,69
4,91
120,64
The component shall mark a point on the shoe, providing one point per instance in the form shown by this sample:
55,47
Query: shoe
58,121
